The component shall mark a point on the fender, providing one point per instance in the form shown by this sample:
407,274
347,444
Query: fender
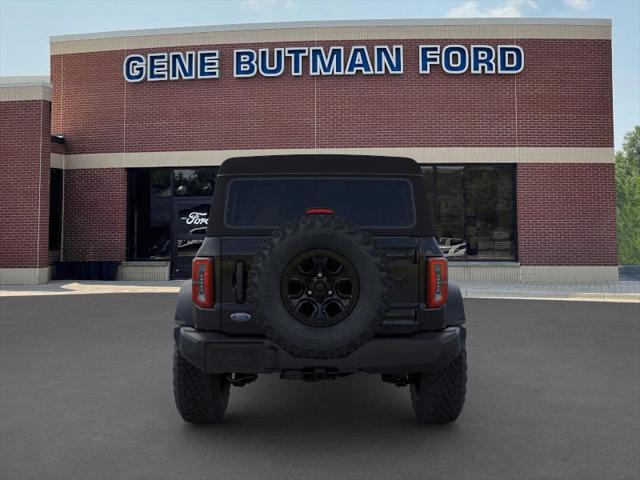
455,308
184,308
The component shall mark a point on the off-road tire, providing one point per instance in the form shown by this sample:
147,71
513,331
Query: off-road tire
438,397
307,233
200,397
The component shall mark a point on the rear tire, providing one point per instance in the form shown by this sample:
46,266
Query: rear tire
438,397
200,397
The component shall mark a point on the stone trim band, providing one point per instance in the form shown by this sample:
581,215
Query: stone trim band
22,93
420,154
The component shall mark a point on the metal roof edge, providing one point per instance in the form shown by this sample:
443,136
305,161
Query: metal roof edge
330,24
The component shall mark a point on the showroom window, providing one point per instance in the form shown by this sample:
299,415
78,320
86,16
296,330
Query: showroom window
55,209
473,207
156,198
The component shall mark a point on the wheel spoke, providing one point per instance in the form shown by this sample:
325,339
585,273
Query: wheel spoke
344,287
319,287
295,287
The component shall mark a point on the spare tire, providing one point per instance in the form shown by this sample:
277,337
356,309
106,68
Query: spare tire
319,285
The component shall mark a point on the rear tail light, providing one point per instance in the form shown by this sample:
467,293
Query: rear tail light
202,282
437,282
319,211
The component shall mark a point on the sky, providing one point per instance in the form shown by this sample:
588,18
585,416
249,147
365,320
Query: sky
25,26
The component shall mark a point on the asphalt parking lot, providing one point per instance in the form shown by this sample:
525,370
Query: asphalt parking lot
85,393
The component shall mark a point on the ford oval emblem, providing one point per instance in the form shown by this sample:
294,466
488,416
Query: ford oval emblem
240,317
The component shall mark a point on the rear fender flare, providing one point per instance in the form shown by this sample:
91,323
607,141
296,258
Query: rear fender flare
184,308
455,308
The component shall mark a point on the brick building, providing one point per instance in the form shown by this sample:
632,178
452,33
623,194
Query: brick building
115,159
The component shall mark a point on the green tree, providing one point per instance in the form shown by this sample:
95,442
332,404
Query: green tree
628,198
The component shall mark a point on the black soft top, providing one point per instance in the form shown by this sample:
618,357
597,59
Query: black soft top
320,164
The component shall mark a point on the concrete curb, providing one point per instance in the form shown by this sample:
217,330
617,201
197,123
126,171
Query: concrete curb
572,297
618,292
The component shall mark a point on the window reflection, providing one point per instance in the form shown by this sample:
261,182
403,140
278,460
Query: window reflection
152,193
450,210
473,209
489,191
55,209
193,182
188,248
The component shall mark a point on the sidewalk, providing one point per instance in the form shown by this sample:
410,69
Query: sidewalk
593,292
84,287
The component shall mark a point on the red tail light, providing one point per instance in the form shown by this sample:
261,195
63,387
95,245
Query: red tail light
202,282
319,211
437,282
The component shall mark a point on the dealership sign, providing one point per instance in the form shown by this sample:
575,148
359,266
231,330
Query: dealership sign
325,61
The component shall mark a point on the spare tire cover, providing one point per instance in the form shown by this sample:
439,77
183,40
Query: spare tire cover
319,285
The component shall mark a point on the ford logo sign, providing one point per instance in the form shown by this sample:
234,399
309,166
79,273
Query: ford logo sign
240,316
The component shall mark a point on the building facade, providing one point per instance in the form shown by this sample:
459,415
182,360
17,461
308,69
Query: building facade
512,120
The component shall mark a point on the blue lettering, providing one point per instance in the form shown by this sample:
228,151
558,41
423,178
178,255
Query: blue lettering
133,68
182,65
277,68
359,61
455,59
483,59
208,64
385,61
429,55
331,64
510,59
296,55
157,67
244,63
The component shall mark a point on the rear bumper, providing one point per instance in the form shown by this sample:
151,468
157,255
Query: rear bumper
214,352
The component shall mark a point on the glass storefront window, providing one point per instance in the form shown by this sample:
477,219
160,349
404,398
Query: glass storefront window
449,218
149,231
473,210
192,220
152,228
489,191
55,209
193,182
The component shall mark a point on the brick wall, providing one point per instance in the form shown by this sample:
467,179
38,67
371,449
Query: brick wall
95,207
562,98
24,196
57,148
566,214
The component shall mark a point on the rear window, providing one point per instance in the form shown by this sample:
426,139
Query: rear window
371,202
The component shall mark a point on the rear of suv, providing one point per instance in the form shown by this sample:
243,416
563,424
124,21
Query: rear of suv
317,267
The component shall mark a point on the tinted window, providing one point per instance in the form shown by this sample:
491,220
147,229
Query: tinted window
193,220
474,210
55,209
189,182
153,193
369,202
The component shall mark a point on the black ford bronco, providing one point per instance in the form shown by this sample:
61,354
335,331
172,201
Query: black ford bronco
317,267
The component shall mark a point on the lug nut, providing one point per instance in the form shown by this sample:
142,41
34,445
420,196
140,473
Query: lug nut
320,275
309,292
330,292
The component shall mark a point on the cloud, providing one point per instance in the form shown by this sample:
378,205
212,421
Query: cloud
578,4
508,8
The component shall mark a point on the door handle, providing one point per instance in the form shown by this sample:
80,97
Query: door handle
240,282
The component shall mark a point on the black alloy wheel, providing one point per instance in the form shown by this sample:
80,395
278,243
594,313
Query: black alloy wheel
320,288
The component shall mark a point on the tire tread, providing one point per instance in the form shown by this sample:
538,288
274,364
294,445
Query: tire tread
438,397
